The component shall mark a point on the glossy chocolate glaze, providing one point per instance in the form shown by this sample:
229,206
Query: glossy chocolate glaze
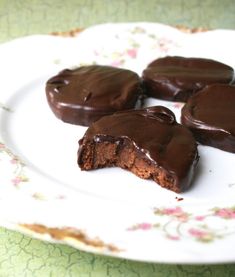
210,114
177,78
85,94
155,134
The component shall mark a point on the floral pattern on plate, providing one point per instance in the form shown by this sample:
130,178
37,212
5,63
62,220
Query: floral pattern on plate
16,173
179,224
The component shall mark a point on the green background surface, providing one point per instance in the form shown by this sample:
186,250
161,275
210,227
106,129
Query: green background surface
24,17
23,256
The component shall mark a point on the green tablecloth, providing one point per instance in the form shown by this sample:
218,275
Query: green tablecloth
23,256
24,17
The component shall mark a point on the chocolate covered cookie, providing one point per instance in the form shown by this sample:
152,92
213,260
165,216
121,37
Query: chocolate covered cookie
83,95
210,115
148,142
177,78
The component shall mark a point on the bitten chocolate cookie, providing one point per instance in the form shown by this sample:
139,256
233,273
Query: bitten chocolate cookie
148,142
177,78
83,95
210,115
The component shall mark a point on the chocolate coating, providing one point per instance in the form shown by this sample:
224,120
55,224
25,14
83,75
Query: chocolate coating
155,134
177,78
210,115
83,95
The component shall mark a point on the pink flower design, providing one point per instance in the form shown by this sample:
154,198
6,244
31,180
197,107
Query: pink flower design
176,212
196,232
225,213
165,44
200,217
142,226
201,235
19,179
132,53
117,63
172,211
14,161
178,223
145,226
2,146
16,181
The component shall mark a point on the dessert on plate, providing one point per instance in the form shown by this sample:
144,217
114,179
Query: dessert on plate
85,94
177,78
148,142
210,115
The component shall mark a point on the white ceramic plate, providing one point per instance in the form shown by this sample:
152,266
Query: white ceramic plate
110,211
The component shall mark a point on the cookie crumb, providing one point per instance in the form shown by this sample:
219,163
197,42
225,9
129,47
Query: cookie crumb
179,198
